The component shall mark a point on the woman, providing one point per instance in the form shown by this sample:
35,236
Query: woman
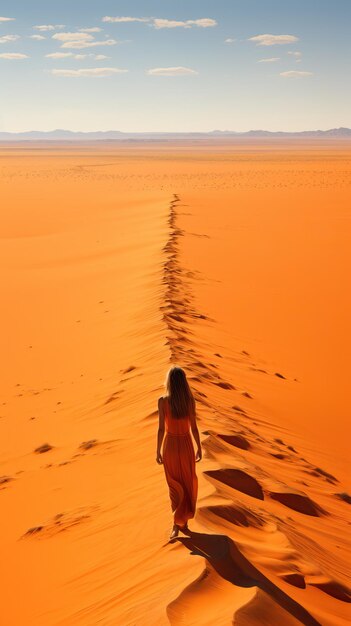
177,414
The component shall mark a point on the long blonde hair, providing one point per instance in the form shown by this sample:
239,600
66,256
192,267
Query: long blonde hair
181,399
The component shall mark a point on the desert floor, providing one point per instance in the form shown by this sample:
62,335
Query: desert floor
233,261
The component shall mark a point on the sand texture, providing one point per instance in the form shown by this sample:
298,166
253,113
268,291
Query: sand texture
233,262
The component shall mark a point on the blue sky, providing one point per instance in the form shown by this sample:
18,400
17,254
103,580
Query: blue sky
175,65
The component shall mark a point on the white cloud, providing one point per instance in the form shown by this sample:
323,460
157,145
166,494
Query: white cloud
44,27
205,22
8,38
110,19
72,36
59,55
79,57
37,37
171,71
270,60
6,19
90,72
158,23
80,40
47,27
97,57
295,54
229,40
295,74
94,29
89,44
13,55
273,40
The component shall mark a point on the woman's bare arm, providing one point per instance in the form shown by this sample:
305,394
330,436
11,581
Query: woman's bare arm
161,430
195,431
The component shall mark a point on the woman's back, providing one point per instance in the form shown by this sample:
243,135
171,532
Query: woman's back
175,425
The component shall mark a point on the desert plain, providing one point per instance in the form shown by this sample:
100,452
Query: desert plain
232,260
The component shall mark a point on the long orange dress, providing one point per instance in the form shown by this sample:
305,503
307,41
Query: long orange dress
179,465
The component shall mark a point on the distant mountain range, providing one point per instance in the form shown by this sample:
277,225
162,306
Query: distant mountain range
116,135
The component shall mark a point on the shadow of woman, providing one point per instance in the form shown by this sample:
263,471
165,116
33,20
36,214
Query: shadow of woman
224,556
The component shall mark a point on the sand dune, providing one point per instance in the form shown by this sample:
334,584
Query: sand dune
115,263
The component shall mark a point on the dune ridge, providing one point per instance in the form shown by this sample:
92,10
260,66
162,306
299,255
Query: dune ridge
281,577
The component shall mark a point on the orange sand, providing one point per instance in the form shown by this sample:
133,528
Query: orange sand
232,261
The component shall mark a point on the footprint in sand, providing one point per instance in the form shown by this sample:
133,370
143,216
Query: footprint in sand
113,397
45,447
87,445
236,440
61,522
128,369
344,496
320,473
5,480
224,385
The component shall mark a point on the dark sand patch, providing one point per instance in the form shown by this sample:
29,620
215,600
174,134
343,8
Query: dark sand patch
239,480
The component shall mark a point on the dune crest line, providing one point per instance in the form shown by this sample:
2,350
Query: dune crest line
242,462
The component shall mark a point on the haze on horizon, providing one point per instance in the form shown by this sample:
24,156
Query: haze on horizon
161,68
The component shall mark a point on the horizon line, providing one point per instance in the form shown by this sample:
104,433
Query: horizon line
176,132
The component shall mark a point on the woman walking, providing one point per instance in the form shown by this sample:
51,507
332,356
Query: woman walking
177,415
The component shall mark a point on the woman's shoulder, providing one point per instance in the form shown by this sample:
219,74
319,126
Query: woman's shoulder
162,400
